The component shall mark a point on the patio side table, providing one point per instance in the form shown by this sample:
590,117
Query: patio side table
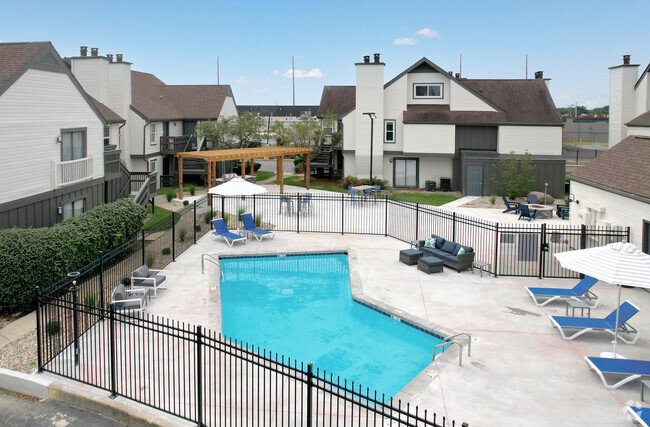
578,304
481,265
644,384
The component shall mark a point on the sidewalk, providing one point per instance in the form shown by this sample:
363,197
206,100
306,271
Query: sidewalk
17,329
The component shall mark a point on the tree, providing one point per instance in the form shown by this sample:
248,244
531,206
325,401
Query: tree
514,176
247,130
219,133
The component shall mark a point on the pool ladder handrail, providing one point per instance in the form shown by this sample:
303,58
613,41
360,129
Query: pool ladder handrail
213,260
451,341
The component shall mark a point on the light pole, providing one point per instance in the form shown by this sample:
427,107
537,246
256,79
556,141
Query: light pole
372,132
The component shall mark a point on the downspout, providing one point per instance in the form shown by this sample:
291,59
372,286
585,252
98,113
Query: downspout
119,134
144,143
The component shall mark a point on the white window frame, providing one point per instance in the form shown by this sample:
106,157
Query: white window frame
152,133
71,139
72,207
394,123
152,166
428,86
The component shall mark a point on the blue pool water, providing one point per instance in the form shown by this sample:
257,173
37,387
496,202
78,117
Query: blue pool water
301,307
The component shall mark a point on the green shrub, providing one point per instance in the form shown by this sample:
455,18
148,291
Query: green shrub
493,199
53,327
350,181
197,228
186,202
170,195
90,300
226,217
207,217
298,168
41,256
182,234
240,211
151,258
192,189
256,166
126,281
165,251
258,220
297,160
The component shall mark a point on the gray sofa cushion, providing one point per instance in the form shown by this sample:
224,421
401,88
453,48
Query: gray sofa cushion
119,293
449,247
450,258
434,252
468,249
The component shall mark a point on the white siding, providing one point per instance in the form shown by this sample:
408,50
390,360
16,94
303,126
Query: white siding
427,78
641,98
434,139
369,98
430,168
92,73
463,100
621,101
538,140
395,97
32,113
594,206
229,108
176,128
135,147
638,130
153,147
119,88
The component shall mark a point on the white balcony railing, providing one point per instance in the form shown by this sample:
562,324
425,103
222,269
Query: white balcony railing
72,171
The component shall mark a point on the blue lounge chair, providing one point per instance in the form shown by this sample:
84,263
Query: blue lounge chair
249,225
221,229
578,292
631,369
641,415
562,211
305,204
586,324
526,213
532,199
510,206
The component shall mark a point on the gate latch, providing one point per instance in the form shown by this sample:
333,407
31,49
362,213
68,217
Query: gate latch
544,247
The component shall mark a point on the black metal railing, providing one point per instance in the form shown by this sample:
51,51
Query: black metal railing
196,374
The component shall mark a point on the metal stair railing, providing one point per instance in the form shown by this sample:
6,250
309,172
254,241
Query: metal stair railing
211,259
449,341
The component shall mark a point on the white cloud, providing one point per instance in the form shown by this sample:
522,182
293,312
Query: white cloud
243,79
262,90
594,103
428,33
410,41
276,72
314,73
566,97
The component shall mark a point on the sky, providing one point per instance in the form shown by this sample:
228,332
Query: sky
573,42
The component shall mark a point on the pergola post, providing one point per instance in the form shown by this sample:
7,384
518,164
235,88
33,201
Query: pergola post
252,171
214,173
208,171
307,171
180,178
243,168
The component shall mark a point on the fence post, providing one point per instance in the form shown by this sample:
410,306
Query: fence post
254,206
143,247
223,208
111,327
310,377
386,219
195,222
173,236
627,234
417,219
496,249
153,205
453,226
298,216
342,213
583,236
101,279
39,355
542,244
199,377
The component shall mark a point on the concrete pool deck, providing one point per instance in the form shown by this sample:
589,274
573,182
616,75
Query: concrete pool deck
521,371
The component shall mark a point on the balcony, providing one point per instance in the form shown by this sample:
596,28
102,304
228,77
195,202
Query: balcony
72,171
177,144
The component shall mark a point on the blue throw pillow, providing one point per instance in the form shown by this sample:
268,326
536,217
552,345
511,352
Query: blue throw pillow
439,241
429,242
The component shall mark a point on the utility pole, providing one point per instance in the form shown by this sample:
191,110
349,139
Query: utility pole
293,80
217,70
460,72
526,66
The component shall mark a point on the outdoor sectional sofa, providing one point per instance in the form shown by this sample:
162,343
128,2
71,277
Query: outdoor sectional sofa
447,251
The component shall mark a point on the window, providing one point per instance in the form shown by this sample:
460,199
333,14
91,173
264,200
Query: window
73,209
107,136
389,130
152,166
427,90
73,144
152,132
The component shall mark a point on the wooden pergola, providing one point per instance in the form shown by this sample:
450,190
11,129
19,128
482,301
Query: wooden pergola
213,156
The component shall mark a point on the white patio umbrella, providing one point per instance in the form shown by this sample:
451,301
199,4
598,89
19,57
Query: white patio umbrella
237,187
617,263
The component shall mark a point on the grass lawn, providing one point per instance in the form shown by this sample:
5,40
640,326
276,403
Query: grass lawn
263,175
295,180
157,218
435,199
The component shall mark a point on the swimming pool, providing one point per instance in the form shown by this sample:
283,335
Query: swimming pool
301,307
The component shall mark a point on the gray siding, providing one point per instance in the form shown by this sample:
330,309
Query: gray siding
42,210
479,138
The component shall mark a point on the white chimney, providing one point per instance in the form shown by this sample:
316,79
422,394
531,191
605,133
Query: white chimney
621,98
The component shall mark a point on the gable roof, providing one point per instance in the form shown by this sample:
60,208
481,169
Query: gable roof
17,58
337,99
647,69
109,115
155,100
622,168
642,120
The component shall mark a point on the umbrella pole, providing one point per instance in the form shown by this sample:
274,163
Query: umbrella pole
618,308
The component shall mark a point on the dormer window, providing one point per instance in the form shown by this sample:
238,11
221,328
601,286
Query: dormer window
427,90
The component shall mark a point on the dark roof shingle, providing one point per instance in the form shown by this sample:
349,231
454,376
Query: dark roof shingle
623,167
337,99
442,114
109,115
157,101
642,120
14,56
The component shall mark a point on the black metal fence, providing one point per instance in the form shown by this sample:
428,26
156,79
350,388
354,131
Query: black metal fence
198,375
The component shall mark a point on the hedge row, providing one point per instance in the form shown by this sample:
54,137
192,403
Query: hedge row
40,256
